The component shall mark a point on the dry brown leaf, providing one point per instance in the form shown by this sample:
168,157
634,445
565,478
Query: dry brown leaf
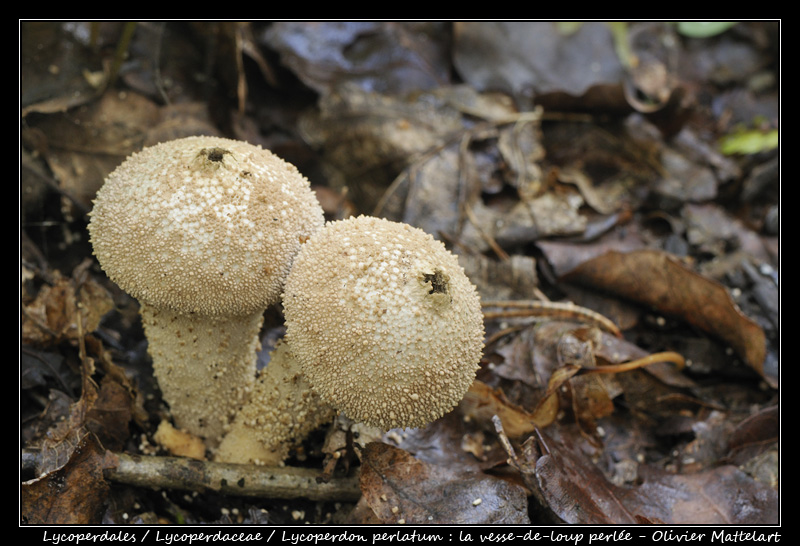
76,493
548,407
652,65
401,489
482,402
591,401
111,413
657,279
755,434
83,146
52,317
594,197
454,441
577,364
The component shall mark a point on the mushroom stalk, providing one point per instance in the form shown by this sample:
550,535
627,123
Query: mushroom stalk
282,411
226,347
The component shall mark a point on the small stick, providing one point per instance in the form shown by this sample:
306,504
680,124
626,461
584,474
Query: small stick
225,478
528,308
232,479
667,356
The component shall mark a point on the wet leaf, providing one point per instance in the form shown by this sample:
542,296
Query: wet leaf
712,230
401,489
512,278
755,434
455,440
368,138
37,367
54,60
75,493
375,55
685,180
498,55
111,414
578,492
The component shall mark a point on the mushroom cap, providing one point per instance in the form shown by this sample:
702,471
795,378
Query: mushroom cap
387,326
203,225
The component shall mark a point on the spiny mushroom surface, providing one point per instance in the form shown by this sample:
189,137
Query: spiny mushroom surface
282,411
387,326
203,231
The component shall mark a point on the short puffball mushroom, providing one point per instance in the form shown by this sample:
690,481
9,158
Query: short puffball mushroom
282,411
383,319
202,232
382,324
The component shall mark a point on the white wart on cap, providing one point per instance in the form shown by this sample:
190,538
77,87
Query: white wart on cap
387,326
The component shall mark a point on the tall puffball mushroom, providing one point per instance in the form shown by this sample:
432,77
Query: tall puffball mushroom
386,325
202,232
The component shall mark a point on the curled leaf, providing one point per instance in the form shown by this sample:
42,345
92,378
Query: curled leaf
482,402
662,282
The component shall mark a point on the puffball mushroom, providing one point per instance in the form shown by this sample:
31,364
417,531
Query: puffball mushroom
202,231
383,319
282,411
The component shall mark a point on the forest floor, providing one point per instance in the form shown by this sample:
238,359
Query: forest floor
613,191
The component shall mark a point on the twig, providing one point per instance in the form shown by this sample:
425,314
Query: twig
225,478
527,308
232,479
667,356
496,248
